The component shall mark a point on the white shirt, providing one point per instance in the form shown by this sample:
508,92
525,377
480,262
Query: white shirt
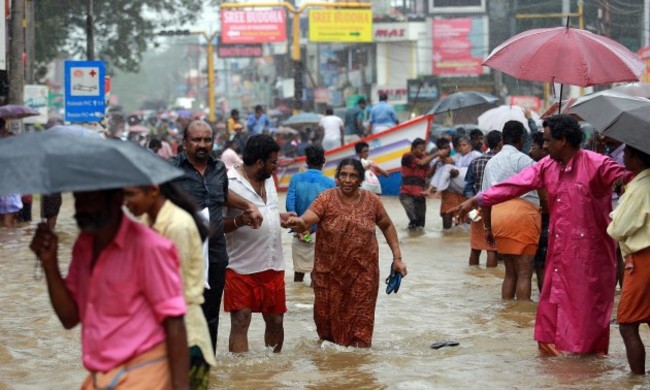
508,162
230,158
331,125
255,250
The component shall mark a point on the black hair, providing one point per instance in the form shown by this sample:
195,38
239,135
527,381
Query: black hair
383,97
329,111
358,147
155,143
259,147
512,132
315,156
356,164
442,143
538,139
258,108
417,141
564,126
175,194
493,138
234,112
459,138
475,133
642,156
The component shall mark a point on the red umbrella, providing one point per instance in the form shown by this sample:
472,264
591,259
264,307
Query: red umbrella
565,55
11,111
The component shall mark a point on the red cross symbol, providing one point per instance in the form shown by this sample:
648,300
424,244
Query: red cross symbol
93,73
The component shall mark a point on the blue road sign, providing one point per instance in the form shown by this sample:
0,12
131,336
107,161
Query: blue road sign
84,91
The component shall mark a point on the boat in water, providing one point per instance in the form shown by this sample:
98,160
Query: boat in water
386,149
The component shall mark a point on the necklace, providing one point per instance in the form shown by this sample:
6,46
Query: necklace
261,192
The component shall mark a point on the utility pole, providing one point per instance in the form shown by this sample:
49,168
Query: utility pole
210,38
645,27
17,52
30,48
90,31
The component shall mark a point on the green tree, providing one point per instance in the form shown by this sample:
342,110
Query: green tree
123,28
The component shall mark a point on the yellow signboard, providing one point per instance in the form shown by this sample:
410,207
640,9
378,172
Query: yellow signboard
338,25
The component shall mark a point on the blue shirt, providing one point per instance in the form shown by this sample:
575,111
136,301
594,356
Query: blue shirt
383,114
257,125
304,188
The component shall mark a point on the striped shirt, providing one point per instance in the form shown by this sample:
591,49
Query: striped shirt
413,175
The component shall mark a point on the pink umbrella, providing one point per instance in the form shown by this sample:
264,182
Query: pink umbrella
565,55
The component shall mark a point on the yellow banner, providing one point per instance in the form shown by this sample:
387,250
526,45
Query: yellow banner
337,25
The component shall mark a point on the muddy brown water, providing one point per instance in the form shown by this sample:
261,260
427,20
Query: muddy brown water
441,299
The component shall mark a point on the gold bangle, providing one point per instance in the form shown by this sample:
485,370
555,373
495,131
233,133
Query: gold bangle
397,258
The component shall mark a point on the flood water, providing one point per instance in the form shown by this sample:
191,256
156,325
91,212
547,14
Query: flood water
441,299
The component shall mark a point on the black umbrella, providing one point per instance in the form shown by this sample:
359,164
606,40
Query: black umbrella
620,116
48,162
460,100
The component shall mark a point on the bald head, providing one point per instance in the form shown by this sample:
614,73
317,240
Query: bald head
198,141
196,124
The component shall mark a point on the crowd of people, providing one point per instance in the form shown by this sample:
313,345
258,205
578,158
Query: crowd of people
164,323
214,235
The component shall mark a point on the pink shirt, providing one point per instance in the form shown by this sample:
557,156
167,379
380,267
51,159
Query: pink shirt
122,302
575,305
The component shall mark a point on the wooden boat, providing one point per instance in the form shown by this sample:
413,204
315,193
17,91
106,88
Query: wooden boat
386,149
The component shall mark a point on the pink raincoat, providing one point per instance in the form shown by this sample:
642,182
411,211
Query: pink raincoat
577,297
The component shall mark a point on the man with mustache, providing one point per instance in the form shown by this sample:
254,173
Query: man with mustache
206,181
124,287
255,274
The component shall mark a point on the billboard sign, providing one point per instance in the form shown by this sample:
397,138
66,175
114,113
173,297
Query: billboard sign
238,51
253,26
84,91
36,97
339,25
458,46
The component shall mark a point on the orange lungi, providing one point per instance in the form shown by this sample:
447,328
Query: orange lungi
477,238
634,305
149,370
516,226
449,200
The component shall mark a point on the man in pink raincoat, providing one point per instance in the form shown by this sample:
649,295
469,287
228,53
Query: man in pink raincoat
577,297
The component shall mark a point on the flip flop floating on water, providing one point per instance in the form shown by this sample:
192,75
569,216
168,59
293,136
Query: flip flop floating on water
441,344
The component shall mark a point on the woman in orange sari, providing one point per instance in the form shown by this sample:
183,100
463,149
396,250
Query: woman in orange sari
346,265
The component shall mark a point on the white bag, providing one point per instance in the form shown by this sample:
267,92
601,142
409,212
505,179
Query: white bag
371,182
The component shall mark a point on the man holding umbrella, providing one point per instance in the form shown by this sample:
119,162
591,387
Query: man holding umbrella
124,287
577,297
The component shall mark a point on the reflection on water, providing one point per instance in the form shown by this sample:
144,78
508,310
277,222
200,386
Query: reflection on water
441,299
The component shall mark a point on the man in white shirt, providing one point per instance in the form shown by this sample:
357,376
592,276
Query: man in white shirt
515,225
333,130
255,273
